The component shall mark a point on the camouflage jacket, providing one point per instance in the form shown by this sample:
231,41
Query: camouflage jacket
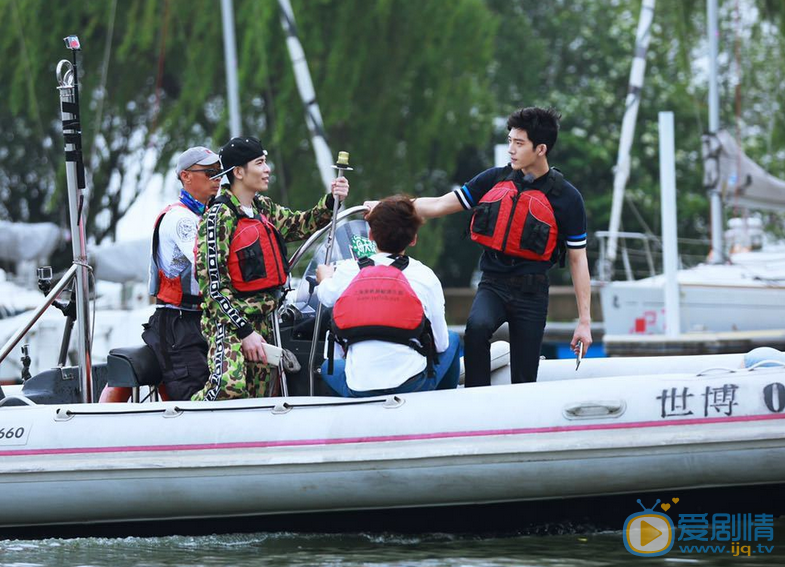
222,302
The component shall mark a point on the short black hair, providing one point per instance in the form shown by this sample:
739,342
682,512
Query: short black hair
540,124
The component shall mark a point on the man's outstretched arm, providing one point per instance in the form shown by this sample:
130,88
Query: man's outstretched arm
431,207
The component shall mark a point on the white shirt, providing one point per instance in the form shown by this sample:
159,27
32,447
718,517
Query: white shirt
176,241
377,365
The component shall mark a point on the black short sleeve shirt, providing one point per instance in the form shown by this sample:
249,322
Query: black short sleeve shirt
568,208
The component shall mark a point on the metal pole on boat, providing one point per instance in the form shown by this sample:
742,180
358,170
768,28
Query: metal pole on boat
632,102
51,296
230,60
68,85
670,257
341,166
715,196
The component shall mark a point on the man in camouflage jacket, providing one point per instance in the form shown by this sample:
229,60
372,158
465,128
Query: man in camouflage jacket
236,323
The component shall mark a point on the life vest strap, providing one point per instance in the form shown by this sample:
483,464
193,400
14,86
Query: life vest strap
224,200
188,302
400,262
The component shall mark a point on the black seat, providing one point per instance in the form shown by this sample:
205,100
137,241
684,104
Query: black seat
132,367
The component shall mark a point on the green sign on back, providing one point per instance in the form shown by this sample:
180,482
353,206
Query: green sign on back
362,247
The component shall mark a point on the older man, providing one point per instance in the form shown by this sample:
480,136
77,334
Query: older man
173,331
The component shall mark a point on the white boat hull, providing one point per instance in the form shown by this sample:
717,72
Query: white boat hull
554,439
745,295
632,308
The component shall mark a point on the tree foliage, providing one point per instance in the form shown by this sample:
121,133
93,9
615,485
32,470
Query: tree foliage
413,90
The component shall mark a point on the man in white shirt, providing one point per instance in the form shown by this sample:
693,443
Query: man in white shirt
376,367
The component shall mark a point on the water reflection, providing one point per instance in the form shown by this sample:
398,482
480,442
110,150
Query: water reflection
282,548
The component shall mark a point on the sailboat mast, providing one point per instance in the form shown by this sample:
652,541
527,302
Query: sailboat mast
632,102
302,76
230,59
313,116
715,196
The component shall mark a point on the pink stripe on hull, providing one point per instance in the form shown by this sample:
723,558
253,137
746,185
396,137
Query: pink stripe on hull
384,438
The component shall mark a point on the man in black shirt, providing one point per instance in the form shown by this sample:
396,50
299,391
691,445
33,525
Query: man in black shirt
527,217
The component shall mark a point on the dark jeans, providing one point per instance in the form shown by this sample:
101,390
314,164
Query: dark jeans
176,338
522,301
447,369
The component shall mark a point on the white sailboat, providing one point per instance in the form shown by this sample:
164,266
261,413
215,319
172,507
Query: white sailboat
742,287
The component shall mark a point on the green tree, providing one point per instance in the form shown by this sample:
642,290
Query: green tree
404,103
412,90
129,114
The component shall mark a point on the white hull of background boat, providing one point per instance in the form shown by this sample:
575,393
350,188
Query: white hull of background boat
557,438
711,298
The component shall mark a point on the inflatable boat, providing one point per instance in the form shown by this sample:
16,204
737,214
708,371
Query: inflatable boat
608,427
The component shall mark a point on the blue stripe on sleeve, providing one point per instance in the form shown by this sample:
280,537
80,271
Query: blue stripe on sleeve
465,191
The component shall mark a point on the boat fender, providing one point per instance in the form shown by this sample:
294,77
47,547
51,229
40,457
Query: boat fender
764,357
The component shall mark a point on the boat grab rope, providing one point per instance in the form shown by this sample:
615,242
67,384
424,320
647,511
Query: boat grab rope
285,407
717,370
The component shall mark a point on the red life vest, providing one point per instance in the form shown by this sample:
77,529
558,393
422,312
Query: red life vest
166,289
516,221
380,304
257,253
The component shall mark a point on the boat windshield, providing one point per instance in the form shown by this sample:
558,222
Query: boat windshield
351,243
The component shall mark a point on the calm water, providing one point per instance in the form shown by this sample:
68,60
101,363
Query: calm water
437,550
